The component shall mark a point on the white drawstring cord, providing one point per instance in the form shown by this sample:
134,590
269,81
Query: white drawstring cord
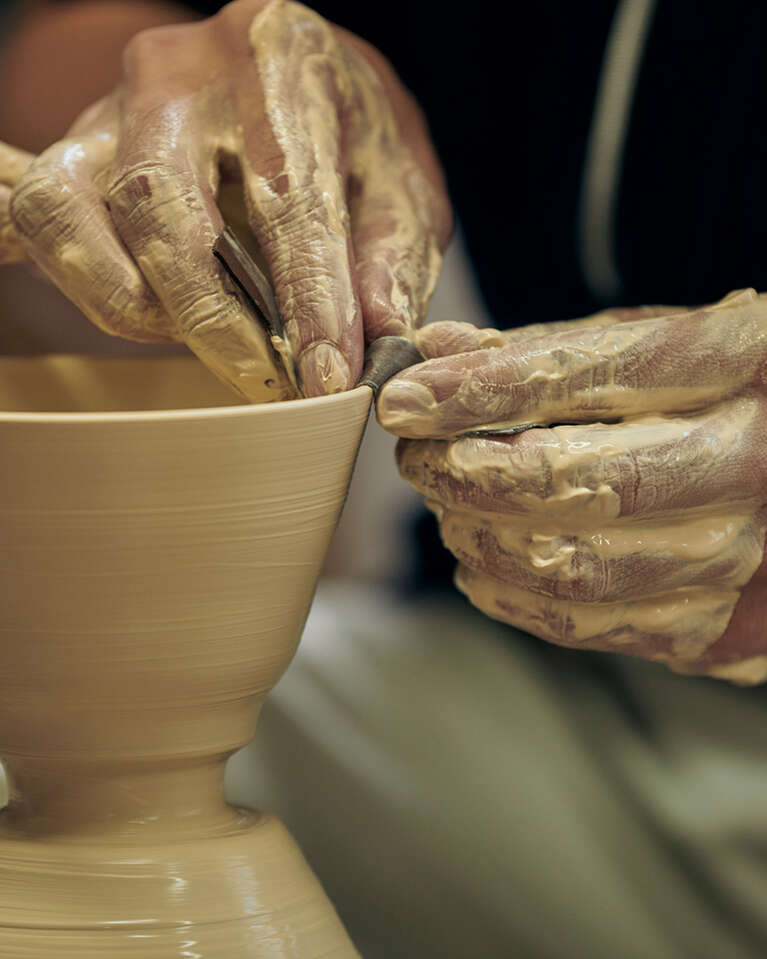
604,150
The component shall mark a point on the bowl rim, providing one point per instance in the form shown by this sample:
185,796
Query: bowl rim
235,411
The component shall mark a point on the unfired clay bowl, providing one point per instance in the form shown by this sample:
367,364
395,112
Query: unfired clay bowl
160,548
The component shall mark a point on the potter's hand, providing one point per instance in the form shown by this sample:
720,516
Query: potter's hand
343,193
640,528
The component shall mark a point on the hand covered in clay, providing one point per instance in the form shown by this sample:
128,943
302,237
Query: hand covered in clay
343,196
632,516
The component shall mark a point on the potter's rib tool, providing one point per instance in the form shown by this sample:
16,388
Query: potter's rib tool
502,430
257,290
385,357
244,270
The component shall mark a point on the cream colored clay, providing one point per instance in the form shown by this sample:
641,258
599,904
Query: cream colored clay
746,672
578,474
688,621
122,215
721,549
158,566
411,265
229,340
587,373
637,534
448,337
294,67
298,56
627,603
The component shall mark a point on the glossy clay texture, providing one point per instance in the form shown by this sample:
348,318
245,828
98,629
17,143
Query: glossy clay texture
631,515
158,569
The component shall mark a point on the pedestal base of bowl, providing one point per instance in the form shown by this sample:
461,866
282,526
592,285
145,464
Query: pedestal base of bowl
246,894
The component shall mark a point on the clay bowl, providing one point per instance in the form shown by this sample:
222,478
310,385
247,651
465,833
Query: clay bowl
160,546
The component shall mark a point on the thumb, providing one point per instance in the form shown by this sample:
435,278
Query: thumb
448,337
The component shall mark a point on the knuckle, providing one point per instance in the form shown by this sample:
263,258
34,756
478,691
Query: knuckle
150,196
555,566
201,316
316,32
415,463
138,46
152,44
134,185
43,194
112,314
382,316
561,567
301,211
57,189
119,304
446,338
639,485
286,29
134,314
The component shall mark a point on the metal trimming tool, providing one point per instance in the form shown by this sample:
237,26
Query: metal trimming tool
384,357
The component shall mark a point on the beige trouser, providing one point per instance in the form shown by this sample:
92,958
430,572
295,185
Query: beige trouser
464,791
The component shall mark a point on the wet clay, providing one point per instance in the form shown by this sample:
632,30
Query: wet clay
390,221
314,127
159,562
555,536
583,372
630,514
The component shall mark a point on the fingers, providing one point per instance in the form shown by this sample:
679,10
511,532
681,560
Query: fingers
664,364
401,217
584,476
615,563
13,165
66,229
446,338
411,130
635,536
346,200
397,256
295,192
609,317
165,212
676,627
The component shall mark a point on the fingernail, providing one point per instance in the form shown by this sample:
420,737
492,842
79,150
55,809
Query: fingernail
322,369
407,408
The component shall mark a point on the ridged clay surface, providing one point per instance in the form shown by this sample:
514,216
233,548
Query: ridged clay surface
159,561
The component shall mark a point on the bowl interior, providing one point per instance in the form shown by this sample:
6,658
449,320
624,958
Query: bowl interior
94,384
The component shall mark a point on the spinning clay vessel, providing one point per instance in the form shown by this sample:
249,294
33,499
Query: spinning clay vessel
160,549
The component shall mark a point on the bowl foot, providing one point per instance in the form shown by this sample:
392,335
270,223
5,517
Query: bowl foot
247,893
